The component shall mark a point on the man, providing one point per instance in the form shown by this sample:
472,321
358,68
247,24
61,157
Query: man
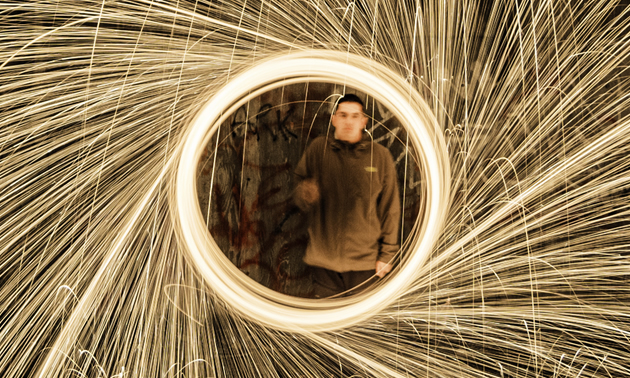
349,188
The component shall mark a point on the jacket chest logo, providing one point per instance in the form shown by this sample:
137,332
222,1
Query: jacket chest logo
371,169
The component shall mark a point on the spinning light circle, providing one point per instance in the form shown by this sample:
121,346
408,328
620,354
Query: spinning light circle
237,289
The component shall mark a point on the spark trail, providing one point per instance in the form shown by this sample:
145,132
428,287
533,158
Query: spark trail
529,277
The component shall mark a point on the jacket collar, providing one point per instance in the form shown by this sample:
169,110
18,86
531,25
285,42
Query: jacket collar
361,145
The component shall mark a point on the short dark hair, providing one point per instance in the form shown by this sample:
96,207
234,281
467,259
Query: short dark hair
349,97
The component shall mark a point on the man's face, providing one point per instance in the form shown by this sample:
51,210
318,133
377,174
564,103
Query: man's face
349,122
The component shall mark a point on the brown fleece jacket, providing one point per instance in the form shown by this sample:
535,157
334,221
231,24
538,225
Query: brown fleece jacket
357,218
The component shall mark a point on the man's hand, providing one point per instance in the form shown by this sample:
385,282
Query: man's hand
307,194
382,268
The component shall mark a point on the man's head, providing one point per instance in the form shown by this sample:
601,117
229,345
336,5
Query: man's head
349,119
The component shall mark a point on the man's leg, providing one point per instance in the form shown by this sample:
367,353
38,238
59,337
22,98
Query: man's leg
326,283
358,281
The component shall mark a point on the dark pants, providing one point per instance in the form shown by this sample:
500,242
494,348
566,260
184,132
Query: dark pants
327,283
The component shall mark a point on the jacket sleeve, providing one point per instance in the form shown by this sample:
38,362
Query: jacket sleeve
303,171
389,211
307,165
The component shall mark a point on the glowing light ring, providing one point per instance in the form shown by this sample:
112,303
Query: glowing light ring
237,289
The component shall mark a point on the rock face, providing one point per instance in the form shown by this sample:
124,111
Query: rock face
245,190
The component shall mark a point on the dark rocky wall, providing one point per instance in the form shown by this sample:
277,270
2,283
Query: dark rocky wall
251,214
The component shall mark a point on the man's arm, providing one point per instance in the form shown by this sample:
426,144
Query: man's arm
306,193
389,214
